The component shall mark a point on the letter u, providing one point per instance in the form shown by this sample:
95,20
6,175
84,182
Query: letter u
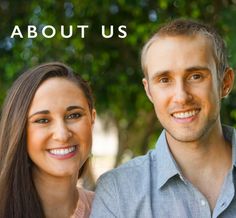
63,32
104,32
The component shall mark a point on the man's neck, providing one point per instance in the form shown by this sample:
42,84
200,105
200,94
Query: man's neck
204,163
209,151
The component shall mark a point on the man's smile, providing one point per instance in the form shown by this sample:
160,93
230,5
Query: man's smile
185,114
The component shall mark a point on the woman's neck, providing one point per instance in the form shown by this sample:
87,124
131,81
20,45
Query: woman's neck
59,195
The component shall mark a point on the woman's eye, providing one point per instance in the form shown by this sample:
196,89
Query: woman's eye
74,116
41,121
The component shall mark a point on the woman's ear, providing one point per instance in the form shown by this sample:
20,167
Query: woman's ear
93,116
227,82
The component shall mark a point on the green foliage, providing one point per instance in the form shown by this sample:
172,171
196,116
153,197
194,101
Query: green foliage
111,65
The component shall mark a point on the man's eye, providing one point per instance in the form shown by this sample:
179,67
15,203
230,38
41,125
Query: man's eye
164,80
195,77
74,116
41,121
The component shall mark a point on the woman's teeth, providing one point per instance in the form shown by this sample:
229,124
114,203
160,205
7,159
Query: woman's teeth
62,151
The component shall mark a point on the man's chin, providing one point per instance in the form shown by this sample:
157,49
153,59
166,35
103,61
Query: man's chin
186,136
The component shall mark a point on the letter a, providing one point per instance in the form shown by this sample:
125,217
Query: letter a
16,32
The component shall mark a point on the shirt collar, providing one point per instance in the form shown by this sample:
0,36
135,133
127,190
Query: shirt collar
230,135
167,166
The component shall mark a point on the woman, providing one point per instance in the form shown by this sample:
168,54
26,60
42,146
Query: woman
45,142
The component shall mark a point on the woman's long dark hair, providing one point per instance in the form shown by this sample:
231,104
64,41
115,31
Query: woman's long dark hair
19,198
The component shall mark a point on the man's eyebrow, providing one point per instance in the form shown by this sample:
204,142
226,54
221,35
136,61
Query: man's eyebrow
197,68
160,73
190,69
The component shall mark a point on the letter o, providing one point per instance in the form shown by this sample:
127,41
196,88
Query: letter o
48,27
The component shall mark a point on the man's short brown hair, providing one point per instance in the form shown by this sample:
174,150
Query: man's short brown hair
186,27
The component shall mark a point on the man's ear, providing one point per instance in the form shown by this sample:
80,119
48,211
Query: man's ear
227,82
147,89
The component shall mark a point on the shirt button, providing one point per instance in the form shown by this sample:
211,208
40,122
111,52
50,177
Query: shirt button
203,203
223,204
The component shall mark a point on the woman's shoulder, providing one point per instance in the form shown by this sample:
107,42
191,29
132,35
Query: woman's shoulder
84,204
85,195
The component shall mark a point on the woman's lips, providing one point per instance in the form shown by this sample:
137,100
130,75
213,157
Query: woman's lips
63,153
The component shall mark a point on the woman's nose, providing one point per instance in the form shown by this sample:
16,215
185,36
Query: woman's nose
61,132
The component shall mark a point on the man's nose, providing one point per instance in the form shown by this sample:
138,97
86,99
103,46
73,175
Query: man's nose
182,93
61,132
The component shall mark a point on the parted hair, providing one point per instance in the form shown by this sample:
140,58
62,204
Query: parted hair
19,198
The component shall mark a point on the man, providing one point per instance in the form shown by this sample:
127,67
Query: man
191,173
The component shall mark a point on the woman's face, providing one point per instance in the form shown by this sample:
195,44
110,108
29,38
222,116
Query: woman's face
59,129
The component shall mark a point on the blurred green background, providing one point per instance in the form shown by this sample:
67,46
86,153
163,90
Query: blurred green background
111,65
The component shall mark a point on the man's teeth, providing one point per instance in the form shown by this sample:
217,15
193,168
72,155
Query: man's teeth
62,151
187,114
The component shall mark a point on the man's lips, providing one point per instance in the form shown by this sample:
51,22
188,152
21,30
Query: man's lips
185,114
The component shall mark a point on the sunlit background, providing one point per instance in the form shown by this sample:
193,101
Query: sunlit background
126,124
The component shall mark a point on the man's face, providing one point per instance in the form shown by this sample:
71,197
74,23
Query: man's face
182,84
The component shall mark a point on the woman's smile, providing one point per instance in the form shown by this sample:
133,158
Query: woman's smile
63,152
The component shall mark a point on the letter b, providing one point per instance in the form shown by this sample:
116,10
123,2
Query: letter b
32,31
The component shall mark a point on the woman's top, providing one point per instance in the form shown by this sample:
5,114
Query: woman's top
84,204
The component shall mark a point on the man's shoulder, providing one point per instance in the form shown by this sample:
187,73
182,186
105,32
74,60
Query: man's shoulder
136,167
122,190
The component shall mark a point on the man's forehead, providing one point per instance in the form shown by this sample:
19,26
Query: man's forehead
175,47
197,38
173,53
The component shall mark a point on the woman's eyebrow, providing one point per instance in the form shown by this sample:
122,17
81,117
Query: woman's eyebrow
74,107
40,112
47,111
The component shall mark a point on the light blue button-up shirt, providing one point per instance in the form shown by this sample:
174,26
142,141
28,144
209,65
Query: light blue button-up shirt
152,186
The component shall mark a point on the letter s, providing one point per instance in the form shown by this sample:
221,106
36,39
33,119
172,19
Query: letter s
121,30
